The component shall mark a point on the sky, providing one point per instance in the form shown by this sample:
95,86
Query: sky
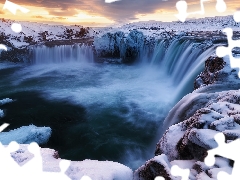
99,13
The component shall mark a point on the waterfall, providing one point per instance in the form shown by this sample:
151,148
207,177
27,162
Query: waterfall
63,53
182,60
159,52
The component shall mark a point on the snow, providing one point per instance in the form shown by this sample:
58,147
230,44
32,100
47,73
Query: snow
162,159
5,101
159,165
203,137
150,29
186,107
35,30
197,118
26,135
219,109
171,138
158,28
106,170
96,170
183,164
228,80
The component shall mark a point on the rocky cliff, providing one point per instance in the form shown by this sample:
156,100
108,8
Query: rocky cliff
193,123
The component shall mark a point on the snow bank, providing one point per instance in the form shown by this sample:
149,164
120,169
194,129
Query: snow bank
39,32
26,135
96,170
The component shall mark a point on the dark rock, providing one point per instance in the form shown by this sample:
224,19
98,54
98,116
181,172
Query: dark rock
158,166
210,74
56,155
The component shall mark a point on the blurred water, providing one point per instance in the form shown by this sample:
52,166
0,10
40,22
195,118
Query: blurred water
97,111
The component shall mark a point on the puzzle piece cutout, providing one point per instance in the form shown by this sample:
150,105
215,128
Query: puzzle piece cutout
236,16
30,170
227,150
4,126
12,7
182,9
177,171
222,51
159,178
2,46
33,169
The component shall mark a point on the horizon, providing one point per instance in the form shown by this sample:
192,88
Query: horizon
97,13
109,26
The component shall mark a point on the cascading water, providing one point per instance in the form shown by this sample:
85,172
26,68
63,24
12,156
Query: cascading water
159,52
182,61
63,53
101,111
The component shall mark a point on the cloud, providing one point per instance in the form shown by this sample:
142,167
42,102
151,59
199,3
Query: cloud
53,18
62,12
123,10
39,17
119,11
58,18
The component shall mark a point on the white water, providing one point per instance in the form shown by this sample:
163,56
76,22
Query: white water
63,53
182,62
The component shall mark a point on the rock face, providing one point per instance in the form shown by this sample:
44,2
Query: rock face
157,166
191,138
210,74
194,121
39,34
128,47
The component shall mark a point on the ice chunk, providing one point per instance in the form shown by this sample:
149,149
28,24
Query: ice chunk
26,135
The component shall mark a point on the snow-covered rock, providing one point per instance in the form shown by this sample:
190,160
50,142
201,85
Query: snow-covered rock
108,45
194,121
190,139
157,166
26,135
218,80
5,101
33,33
211,72
119,45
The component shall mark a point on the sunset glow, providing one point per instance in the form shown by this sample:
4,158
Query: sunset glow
98,13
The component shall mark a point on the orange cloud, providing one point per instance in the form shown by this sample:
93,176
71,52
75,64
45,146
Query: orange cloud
97,12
